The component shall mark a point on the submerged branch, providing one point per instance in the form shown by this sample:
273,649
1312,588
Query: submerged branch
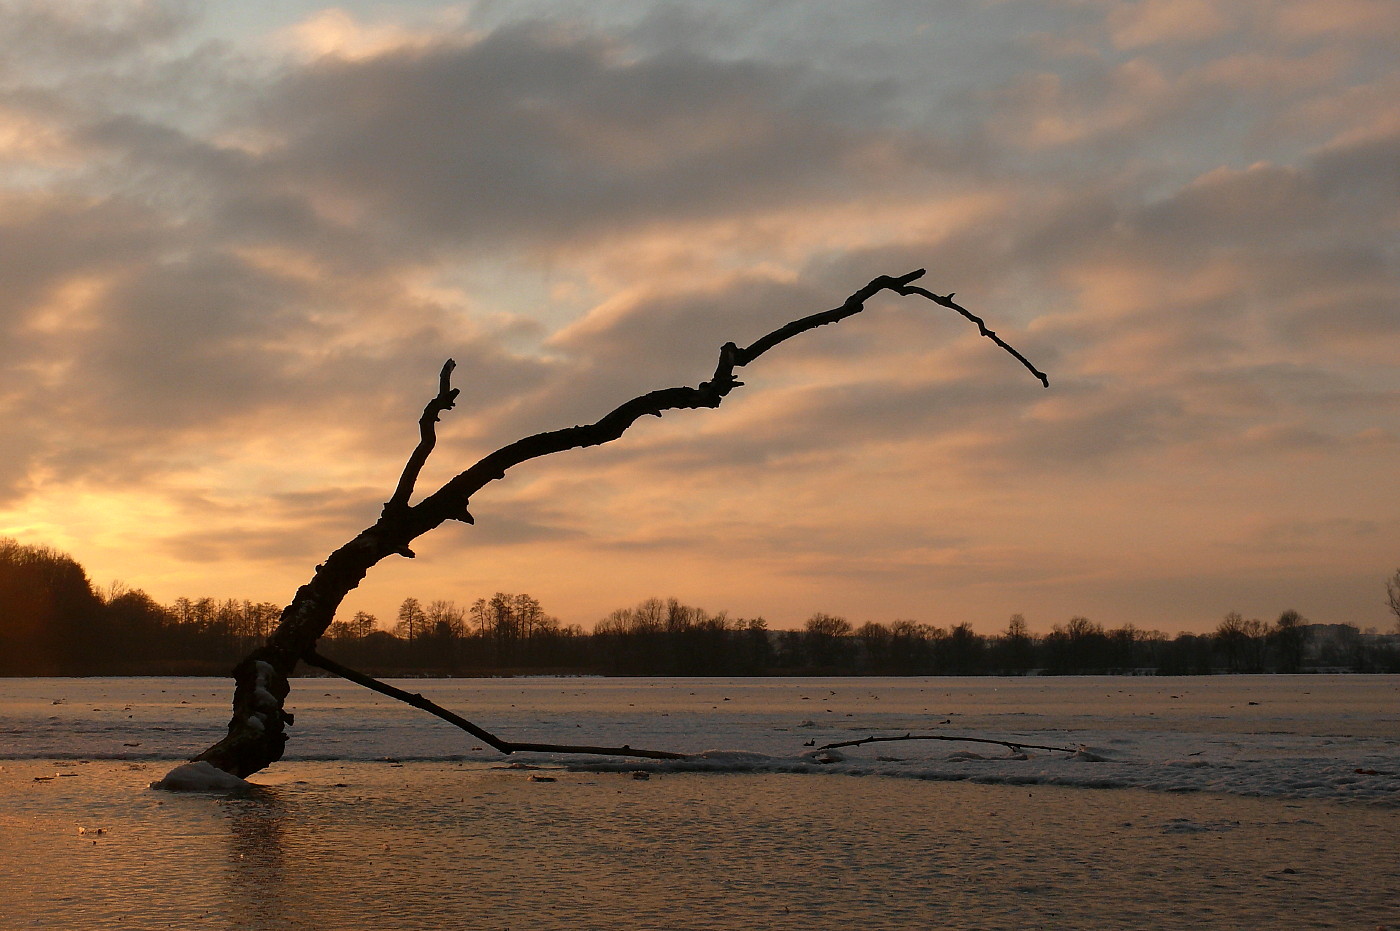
505,746
974,740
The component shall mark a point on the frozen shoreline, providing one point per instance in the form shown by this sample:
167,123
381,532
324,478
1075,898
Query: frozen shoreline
1321,737
1235,804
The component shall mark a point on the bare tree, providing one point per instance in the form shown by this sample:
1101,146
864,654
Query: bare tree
1290,636
257,732
412,620
362,624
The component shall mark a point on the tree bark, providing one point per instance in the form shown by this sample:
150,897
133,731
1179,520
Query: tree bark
257,731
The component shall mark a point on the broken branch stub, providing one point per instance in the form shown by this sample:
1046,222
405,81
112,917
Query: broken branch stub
257,731
427,439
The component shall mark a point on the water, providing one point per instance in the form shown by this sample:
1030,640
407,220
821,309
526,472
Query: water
1230,814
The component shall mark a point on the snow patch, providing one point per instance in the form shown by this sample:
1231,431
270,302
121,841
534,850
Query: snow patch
263,698
199,777
958,756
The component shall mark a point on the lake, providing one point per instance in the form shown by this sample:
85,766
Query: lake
1237,802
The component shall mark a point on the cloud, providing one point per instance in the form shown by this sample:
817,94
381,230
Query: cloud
1158,21
1364,167
75,33
534,134
334,33
248,237
1355,19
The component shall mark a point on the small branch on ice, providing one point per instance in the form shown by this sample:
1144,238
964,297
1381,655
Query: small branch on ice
505,746
975,740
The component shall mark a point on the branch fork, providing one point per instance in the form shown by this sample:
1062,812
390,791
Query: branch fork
445,400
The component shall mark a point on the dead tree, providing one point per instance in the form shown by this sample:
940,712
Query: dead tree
257,732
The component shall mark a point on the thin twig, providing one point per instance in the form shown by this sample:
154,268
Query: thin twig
975,740
947,301
505,746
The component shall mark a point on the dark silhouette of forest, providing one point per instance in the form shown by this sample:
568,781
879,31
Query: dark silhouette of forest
54,622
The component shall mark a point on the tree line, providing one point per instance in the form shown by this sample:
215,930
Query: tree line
53,621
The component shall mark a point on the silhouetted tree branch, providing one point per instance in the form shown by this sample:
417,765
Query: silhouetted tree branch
427,439
505,746
257,731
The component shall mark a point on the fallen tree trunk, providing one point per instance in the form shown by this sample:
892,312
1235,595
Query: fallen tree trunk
257,731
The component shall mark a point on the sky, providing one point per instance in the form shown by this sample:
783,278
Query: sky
238,241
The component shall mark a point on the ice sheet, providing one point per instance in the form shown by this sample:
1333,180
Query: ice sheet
1322,737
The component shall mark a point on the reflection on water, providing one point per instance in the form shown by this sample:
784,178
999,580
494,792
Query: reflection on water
446,845
256,874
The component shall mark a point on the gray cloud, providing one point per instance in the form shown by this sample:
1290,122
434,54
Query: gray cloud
68,35
538,135
1367,167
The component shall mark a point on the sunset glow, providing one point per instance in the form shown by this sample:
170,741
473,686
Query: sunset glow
237,242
